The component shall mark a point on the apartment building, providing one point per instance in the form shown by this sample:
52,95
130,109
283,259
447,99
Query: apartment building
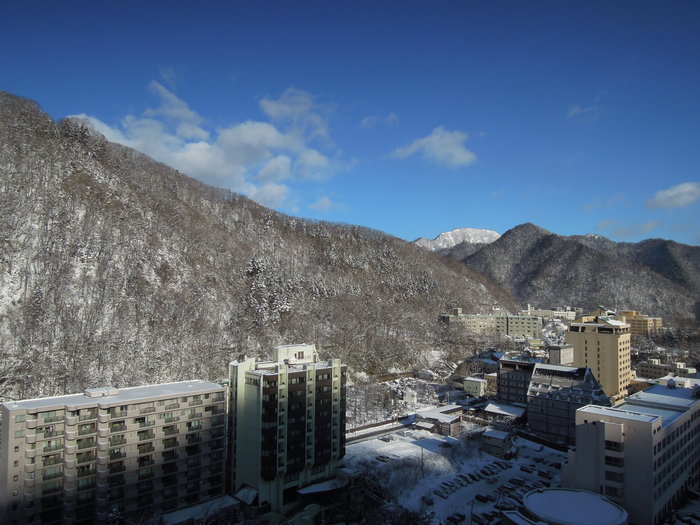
654,368
602,343
77,459
496,324
565,314
287,425
554,395
641,324
643,454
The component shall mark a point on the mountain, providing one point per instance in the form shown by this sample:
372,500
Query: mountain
118,270
656,277
447,240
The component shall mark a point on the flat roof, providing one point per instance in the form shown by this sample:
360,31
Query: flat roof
617,412
573,507
122,395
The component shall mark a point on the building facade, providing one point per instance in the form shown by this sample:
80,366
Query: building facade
654,368
78,459
497,324
643,454
554,395
602,343
514,374
286,425
641,324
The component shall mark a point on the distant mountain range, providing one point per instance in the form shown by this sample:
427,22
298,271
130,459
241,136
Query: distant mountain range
657,277
450,239
118,270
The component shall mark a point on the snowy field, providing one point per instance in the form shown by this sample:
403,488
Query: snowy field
446,479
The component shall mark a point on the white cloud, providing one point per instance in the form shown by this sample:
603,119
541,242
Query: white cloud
442,146
325,205
298,109
625,232
250,157
676,196
589,113
369,122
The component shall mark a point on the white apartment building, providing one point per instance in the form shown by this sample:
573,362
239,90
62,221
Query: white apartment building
77,459
287,425
643,454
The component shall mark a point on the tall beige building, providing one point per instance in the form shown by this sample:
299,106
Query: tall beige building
643,454
602,343
77,459
287,426
641,324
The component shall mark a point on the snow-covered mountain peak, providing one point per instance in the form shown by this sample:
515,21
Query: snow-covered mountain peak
454,237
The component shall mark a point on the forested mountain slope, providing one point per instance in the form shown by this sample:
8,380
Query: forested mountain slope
656,277
115,269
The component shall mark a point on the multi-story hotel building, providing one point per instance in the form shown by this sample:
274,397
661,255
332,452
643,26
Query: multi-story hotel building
554,395
654,368
77,459
641,324
497,324
287,425
643,454
602,343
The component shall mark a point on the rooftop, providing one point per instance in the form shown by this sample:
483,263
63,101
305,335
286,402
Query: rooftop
573,507
112,396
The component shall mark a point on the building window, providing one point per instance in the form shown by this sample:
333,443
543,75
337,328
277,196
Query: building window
20,418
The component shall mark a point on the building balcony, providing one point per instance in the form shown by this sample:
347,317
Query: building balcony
71,434
103,418
30,424
71,420
30,439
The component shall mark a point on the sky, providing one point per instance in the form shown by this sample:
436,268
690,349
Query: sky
410,117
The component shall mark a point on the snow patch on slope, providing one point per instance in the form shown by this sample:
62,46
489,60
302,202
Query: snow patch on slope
457,236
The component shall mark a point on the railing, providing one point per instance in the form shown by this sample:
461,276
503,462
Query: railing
118,427
144,437
117,440
172,419
170,431
144,424
147,410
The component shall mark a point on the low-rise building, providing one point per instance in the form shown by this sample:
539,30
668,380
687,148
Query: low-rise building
496,442
445,420
561,355
643,453
491,383
565,314
141,451
554,395
474,386
654,368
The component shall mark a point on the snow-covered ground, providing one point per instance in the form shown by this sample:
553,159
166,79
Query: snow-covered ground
430,474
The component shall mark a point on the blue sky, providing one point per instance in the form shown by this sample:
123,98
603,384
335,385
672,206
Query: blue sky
409,117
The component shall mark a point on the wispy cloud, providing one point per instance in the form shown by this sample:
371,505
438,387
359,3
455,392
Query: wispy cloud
442,146
325,205
677,196
587,113
258,159
621,231
603,203
369,122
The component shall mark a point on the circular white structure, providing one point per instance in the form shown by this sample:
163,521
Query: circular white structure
560,506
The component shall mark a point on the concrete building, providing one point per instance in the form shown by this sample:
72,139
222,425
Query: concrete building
491,383
78,458
496,442
445,420
565,314
287,425
561,355
602,343
654,368
641,324
514,374
554,395
501,324
474,386
643,454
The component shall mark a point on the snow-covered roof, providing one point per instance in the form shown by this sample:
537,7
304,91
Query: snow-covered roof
496,434
246,494
443,414
117,397
502,409
196,512
573,507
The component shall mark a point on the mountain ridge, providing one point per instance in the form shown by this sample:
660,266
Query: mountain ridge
118,270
